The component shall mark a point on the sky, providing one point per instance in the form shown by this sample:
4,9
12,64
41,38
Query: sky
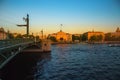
77,16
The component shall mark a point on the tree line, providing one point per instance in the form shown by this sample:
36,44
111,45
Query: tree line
94,38
20,36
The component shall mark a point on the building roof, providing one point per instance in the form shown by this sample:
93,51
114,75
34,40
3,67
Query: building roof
94,32
61,32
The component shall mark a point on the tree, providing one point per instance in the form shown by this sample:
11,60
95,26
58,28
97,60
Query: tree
108,37
37,38
52,38
93,38
31,36
84,37
10,36
80,37
75,38
99,38
19,36
25,36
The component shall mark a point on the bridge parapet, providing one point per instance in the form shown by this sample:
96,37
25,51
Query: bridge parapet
5,43
9,48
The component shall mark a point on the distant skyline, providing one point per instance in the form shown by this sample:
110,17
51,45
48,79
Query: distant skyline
77,16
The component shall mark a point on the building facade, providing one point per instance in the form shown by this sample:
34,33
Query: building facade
90,34
113,36
116,33
3,34
61,36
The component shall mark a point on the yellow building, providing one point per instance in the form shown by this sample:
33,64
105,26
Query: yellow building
3,34
113,36
94,33
62,36
117,33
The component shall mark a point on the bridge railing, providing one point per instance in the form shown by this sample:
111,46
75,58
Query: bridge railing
9,48
9,42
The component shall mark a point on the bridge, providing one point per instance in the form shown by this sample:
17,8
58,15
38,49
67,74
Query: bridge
10,48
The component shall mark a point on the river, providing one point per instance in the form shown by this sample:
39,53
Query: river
66,62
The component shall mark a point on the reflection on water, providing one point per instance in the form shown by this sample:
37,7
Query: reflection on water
68,62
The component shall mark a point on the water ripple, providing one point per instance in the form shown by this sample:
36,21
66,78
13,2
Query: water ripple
80,62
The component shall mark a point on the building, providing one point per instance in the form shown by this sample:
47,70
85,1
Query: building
116,33
90,34
3,34
61,36
113,36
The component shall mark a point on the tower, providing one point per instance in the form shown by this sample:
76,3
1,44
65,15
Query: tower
117,30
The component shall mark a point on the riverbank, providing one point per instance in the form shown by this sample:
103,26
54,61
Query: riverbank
84,42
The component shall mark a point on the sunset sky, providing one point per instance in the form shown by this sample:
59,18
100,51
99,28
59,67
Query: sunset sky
77,16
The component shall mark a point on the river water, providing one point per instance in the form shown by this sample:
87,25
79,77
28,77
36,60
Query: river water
66,62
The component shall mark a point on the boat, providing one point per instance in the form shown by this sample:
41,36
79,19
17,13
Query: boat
114,45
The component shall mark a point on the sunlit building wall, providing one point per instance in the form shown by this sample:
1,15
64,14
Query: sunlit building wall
62,36
117,33
3,34
94,33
